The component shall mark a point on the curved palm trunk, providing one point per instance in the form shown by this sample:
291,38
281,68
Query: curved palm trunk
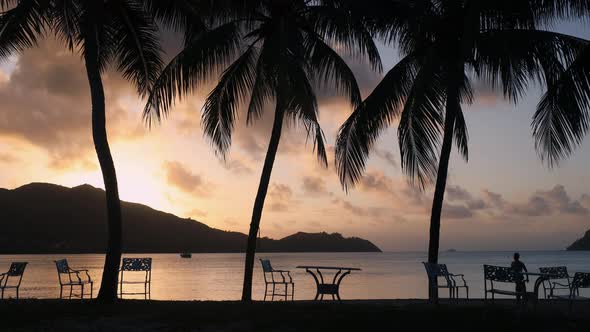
108,287
259,202
441,182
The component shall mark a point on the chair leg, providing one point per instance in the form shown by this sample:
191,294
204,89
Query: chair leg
81,292
292,292
61,290
2,296
71,290
273,293
265,291
17,293
286,291
91,288
467,292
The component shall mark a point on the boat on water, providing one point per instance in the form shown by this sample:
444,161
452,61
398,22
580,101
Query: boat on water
186,255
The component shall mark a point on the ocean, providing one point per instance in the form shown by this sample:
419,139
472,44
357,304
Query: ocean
388,275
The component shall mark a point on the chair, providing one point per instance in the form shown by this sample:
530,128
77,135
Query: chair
436,271
580,280
136,265
283,278
557,273
501,274
70,277
15,272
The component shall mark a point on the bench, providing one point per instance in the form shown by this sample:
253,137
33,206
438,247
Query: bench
500,274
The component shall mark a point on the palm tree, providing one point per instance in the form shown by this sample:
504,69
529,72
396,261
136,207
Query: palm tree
119,31
280,48
444,44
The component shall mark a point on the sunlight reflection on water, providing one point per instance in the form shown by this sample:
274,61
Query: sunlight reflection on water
219,276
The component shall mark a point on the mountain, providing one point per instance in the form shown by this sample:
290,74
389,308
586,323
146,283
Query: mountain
47,218
582,243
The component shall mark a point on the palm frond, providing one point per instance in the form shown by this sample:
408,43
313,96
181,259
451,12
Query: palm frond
196,63
515,58
65,17
360,131
327,65
350,31
219,111
302,106
420,126
21,25
136,46
562,118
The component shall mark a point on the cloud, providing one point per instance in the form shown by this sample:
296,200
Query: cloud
376,181
388,157
456,211
178,176
314,185
46,102
457,193
237,166
280,197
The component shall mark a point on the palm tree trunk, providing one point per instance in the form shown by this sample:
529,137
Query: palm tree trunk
273,145
452,104
108,286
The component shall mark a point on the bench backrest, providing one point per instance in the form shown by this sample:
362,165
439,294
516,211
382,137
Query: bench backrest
136,264
556,272
501,274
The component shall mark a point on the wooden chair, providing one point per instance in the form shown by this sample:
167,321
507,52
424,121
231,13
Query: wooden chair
557,273
276,278
136,265
453,282
580,280
72,278
15,275
494,274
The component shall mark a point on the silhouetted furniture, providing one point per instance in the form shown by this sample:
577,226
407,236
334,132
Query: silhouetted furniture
12,278
136,266
557,273
274,278
580,280
439,277
70,277
323,287
500,274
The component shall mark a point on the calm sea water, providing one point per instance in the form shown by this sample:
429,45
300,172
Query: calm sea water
387,275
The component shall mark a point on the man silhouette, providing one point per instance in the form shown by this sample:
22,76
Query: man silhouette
519,267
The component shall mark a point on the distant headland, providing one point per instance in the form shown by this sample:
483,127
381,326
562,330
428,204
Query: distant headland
582,243
48,218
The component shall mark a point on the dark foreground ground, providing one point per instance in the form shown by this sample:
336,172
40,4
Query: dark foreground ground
386,315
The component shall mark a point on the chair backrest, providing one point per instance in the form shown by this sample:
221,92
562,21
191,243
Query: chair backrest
266,267
501,274
136,264
581,280
556,272
62,266
436,270
17,269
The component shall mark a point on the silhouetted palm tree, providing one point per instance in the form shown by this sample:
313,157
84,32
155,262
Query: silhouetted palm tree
281,48
445,43
122,32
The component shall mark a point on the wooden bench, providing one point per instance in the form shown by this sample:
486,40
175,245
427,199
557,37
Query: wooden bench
500,274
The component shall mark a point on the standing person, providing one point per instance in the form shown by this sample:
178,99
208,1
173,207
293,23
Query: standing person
518,266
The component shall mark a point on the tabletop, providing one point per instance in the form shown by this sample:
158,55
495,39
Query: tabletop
328,267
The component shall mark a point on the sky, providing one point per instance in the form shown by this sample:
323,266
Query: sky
504,198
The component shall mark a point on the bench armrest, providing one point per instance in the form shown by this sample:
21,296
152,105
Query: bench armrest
559,284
